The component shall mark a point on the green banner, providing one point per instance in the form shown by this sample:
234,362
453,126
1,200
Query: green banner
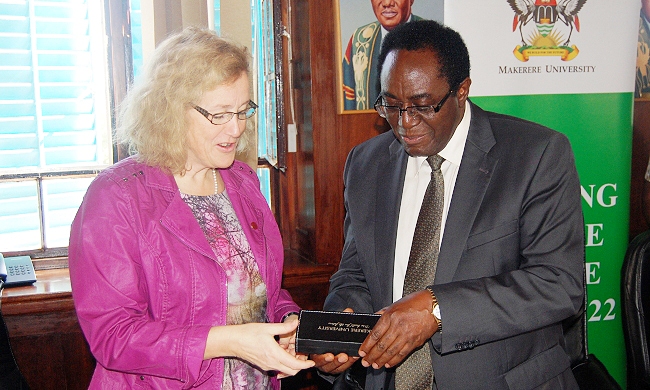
599,127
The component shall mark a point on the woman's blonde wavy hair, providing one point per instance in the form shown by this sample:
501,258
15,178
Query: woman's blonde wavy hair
152,120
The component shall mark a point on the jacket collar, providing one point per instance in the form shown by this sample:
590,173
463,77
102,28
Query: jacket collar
157,178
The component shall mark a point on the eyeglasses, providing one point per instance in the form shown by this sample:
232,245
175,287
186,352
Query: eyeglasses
394,112
222,118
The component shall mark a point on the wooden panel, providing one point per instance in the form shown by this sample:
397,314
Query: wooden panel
306,380
310,195
327,134
295,196
53,361
45,336
306,281
640,154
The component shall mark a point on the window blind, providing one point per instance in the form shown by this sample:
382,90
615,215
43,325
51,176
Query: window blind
54,116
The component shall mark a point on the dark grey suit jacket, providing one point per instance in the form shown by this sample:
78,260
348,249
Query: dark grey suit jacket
511,261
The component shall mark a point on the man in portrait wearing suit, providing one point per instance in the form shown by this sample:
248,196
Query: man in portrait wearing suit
360,87
642,86
505,266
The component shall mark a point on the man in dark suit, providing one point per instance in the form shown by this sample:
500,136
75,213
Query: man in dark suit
511,252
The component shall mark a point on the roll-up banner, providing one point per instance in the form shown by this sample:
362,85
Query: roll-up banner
570,65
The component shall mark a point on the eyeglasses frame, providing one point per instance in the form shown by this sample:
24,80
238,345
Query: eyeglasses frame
411,110
210,117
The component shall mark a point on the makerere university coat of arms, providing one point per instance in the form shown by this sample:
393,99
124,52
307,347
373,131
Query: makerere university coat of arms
546,40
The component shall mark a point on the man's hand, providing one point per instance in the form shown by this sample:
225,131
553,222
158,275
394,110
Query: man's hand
334,364
403,326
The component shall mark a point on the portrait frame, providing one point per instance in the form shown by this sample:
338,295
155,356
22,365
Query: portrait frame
642,75
352,15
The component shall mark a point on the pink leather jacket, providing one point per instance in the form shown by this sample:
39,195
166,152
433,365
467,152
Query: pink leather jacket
146,284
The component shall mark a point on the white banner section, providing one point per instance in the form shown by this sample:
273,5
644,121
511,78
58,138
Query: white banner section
528,47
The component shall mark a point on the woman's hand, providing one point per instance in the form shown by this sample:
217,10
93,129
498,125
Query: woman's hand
288,342
256,344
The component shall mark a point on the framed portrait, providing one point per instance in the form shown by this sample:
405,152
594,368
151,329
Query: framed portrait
642,84
361,27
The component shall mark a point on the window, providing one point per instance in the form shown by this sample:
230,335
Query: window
269,118
216,19
55,124
263,54
136,36
60,66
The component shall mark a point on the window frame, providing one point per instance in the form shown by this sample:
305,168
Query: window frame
117,16
120,75
276,147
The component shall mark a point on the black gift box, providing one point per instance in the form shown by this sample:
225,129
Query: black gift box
335,332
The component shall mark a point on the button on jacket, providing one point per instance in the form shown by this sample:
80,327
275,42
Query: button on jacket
146,284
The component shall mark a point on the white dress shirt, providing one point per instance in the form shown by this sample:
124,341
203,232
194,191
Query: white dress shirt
418,175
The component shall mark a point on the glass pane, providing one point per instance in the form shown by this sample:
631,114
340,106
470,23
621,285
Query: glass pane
62,198
136,36
264,175
54,116
217,16
19,216
54,108
263,43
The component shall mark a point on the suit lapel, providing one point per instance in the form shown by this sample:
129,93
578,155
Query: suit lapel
389,197
473,178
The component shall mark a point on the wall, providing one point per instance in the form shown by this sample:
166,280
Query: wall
326,136
315,173
162,17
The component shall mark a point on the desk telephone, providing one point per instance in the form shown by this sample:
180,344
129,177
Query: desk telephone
16,271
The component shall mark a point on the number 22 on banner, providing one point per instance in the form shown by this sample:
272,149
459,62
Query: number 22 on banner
609,305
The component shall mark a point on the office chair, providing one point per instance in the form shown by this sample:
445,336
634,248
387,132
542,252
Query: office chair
635,297
10,376
590,373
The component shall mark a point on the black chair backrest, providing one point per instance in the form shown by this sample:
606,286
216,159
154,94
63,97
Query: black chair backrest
10,376
635,297
590,373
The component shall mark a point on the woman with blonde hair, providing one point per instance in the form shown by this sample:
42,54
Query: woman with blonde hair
175,257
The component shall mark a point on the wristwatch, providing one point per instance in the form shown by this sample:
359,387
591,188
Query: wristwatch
435,310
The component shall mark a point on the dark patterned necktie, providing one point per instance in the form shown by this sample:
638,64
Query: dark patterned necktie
416,373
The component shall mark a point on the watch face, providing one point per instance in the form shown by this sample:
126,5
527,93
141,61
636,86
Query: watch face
436,311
